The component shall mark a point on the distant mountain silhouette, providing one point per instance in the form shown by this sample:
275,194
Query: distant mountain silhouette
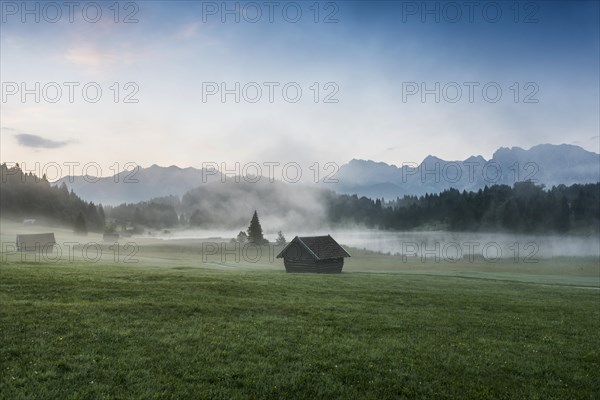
544,164
143,184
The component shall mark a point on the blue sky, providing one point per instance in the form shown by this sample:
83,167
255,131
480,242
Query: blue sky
368,57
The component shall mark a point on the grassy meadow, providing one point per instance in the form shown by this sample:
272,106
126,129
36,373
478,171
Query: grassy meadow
179,323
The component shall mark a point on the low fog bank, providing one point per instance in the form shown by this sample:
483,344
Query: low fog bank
229,206
488,245
278,205
429,245
444,245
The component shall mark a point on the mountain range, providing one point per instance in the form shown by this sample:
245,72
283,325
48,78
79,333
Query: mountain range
545,164
140,184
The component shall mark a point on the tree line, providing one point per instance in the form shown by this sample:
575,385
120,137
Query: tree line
523,208
25,196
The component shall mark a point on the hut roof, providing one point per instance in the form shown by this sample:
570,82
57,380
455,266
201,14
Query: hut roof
35,240
320,247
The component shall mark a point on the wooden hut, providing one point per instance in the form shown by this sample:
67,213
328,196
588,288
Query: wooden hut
110,237
36,242
319,254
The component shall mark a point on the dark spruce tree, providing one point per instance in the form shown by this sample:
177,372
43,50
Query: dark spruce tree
281,241
563,222
80,225
196,219
255,232
242,238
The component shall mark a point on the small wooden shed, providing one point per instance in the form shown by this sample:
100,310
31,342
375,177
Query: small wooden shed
318,254
110,237
36,242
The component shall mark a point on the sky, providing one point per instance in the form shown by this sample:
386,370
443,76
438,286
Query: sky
189,82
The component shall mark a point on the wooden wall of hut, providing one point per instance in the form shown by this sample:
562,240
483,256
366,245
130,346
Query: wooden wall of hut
332,266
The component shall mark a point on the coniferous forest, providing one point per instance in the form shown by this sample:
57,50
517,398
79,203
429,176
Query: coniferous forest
523,208
25,195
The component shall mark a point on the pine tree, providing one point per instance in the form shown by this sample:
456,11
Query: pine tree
563,217
255,232
101,216
242,237
80,225
280,239
196,219
138,218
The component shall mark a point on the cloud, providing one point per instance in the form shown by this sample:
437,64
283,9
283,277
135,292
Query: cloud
89,56
38,142
189,30
98,61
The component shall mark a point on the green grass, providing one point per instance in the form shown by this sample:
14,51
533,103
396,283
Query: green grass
79,330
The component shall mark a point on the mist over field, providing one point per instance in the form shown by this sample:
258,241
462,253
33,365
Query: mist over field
280,205
299,200
446,246
452,246
525,221
230,205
